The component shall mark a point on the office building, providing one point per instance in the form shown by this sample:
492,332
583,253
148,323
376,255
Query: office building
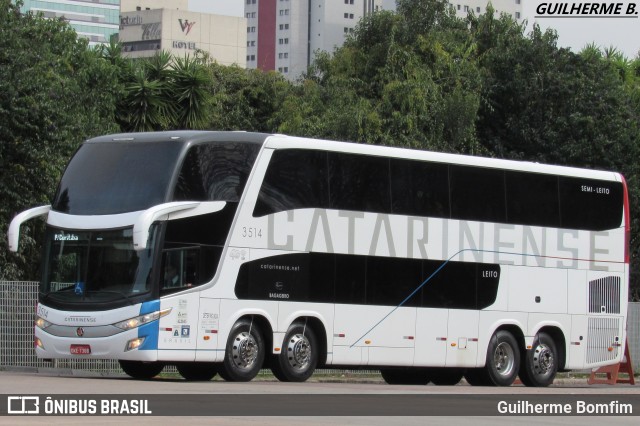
96,20
146,30
283,35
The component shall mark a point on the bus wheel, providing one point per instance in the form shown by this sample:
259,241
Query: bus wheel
445,376
197,371
540,362
405,376
141,370
299,355
503,359
244,353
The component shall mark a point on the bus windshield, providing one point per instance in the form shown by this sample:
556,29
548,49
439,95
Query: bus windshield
117,177
83,267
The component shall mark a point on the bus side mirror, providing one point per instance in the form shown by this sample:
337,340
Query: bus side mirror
168,211
14,228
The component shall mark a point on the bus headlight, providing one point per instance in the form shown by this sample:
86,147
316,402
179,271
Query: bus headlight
41,323
136,322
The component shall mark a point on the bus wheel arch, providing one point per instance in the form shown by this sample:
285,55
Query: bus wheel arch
303,350
246,348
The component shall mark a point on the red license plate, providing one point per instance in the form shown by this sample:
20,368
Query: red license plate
80,349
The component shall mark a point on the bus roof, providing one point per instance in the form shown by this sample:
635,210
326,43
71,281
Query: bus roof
277,141
282,141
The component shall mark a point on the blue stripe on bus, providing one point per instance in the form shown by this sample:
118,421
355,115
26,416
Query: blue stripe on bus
150,331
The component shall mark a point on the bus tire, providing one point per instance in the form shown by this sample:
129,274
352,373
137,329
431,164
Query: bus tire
405,376
503,359
445,376
540,362
244,353
141,370
299,355
197,371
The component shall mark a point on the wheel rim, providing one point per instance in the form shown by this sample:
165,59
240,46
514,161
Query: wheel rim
299,352
504,359
543,362
245,350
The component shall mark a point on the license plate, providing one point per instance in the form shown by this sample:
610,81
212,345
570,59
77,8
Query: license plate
80,349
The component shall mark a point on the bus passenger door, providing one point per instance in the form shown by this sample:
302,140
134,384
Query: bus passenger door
462,338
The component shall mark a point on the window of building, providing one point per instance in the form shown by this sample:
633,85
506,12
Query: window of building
478,9
346,15
351,16
517,15
459,7
286,69
466,8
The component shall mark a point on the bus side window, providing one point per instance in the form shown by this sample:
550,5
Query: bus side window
295,179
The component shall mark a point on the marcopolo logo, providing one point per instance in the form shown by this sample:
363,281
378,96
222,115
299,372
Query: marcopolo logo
584,9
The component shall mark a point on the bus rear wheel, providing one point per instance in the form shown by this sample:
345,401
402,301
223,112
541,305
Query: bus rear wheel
405,376
540,362
502,364
244,353
141,370
197,371
299,355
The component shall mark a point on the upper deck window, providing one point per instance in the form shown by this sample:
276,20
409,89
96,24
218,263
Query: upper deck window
215,172
111,178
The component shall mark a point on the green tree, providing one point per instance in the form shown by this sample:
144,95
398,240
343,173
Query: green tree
547,104
55,93
162,92
243,99
407,79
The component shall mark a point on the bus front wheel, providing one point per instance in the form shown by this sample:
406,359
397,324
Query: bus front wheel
141,370
540,363
244,353
299,355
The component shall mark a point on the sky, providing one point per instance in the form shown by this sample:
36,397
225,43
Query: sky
575,33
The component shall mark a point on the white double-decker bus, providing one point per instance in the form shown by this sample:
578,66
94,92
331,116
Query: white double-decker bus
228,252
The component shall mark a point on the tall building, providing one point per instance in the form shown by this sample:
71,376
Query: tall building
96,20
147,27
283,35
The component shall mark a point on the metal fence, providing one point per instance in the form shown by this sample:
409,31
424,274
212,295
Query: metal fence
17,307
